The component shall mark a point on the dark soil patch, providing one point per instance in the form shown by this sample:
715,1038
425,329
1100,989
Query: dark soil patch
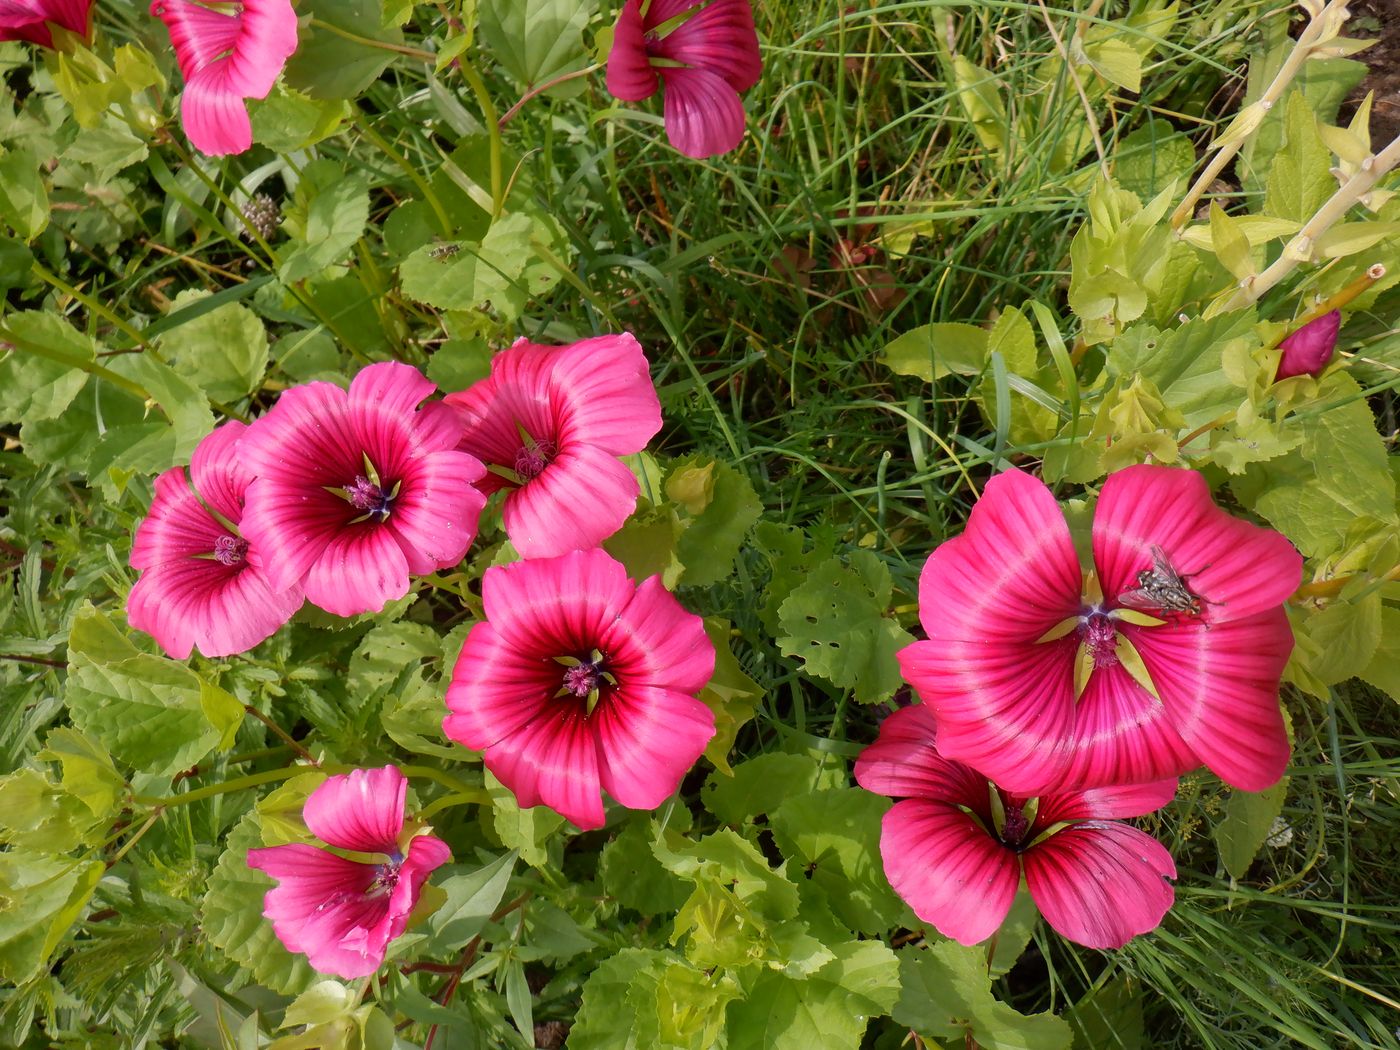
1379,19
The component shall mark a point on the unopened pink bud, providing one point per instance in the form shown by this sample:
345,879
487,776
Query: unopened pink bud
1307,351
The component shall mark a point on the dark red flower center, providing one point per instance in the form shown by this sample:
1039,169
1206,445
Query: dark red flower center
1016,824
533,457
386,877
366,496
1101,637
583,679
230,550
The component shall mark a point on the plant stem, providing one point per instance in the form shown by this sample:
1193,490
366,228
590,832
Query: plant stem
281,734
493,128
251,780
382,45
126,846
540,88
1301,246
90,367
92,305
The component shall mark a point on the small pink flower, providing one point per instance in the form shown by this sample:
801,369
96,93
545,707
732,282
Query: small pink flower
203,584
1009,632
550,422
30,19
705,62
581,681
228,52
341,914
957,858
1307,350
358,491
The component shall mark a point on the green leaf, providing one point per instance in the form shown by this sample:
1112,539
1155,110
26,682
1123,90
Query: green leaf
1348,453
1383,671
471,900
836,837
40,898
1248,822
107,150
289,120
603,1021
715,531
153,714
336,209
1230,245
933,351
502,273
327,65
186,407
88,771
980,93
1300,177
759,786
631,872
725,858
524,830
24,203
535,40
827,1011
35,387
1153,158
37,814
231,916
1115,60
946,993
680,1006
1014,339
836,623
1109,1016
1347,635
1015,933
458,363
731,694
224,351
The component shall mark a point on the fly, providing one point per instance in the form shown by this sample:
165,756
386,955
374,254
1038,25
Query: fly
1163,589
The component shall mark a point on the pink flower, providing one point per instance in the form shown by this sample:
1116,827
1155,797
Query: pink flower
203,584
550,422
227,53
705,62
581,681
956,847
341,914
358,491
1028,678
30,19
1307,350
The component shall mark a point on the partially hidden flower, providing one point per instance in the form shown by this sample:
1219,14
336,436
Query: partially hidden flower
705,54
1307,350
956,847
358,490
32,20
342,913
202,583
580,681
550,422
228,53
1169,657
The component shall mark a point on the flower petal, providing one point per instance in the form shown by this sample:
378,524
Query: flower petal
267,40
361,569
553,760
496,688
950,871
1107,803
721,39
1100,883
1238,568
214,113
704,115
655,641
219,472
1307,350
435,515
904,763
1219,683
1004,708
556,606
613,402
360,810
580,499
1123,734
630,74
648,739
1012,573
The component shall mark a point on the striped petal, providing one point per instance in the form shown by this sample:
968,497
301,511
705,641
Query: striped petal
904,763
648,739
360,810
704,115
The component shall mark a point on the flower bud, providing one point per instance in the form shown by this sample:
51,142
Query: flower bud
1307,350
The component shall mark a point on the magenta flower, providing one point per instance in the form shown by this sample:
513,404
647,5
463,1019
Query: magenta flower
31,19
581,681
1307,350
956,847
202,583
341,914
705,54
1036,685
227,53
358,491
550,422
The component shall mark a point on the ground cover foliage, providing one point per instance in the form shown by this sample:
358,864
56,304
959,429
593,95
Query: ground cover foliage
955,239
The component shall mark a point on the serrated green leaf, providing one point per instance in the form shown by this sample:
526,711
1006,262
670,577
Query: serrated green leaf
731,694
946,993
1348,453
1153,158
24,202
329,66
535,40
40,898
1248,822
827,1011
186,407
524,830
501,273
37,814
223,351
34,387
680,1006
715,532
1383,671
632,874
836,836
337,210
1347,634
1300,177
1230,244
88,771
726,858
933,351
1184,363
606,1019
231,916
836,623
758,786
288,120
107,150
